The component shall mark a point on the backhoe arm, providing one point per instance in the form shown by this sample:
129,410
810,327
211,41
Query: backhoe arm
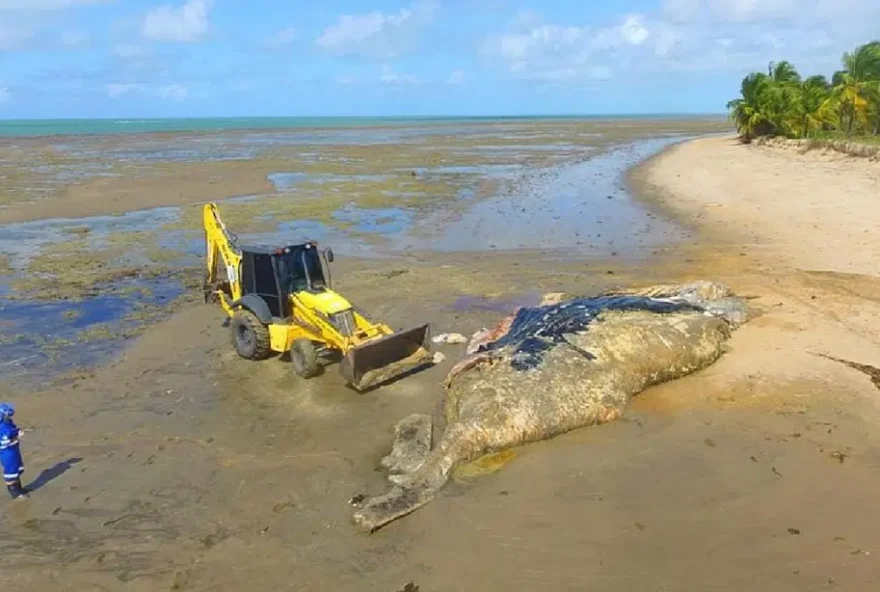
222,260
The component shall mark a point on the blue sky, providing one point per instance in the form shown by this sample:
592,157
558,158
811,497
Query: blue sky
167,58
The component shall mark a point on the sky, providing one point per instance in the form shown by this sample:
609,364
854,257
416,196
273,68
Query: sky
214,58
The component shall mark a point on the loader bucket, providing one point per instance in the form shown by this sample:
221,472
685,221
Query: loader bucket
387,357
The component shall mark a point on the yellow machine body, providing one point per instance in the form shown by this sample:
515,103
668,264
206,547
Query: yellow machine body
302,315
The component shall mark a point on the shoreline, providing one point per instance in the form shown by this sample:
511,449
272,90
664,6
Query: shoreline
194,469
390,123
658,199
774,202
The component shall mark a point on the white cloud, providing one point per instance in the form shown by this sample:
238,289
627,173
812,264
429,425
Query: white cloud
377,35
734,10
282,38
633,31
557,53
44,5
185,24
74,38
5,95
389,76
718,36
386,77
455,77
173,92
599,72
682,10
785,12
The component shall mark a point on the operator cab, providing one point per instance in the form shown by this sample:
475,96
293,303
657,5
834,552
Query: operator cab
273,273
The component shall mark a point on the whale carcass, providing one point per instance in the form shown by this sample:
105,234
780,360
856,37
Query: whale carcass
568,363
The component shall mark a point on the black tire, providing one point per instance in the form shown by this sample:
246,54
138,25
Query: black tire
250,337
304,357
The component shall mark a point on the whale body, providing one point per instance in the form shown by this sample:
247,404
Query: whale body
569,363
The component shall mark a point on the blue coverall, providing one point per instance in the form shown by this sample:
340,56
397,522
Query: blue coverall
10,457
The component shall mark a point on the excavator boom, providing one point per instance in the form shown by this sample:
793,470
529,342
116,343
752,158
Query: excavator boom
222,256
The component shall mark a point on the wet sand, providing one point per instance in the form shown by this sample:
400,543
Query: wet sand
196,470
199,472
76,176
75,289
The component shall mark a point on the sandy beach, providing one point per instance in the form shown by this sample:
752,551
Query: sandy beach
807,211
795,228
181,467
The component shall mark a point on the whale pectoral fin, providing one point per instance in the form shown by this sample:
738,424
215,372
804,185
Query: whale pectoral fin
412,444
400,501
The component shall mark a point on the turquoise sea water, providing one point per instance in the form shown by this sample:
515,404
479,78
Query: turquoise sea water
50,127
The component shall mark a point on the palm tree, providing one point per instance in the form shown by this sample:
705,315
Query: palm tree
814,105
781,102
783,72
781,97
747,111
855,87
874,111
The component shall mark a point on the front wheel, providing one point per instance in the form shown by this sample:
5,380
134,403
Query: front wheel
250,337
304,357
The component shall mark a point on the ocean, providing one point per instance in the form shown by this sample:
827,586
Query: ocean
51,127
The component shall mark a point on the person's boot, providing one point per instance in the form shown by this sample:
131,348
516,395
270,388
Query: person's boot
16,491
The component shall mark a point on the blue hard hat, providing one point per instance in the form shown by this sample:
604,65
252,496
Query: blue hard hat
6,410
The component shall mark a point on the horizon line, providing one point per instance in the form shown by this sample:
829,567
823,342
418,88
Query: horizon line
470,116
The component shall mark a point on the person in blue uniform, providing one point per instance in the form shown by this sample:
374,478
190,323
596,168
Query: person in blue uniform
10,453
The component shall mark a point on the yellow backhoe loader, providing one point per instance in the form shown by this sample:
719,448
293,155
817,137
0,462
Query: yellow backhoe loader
279,301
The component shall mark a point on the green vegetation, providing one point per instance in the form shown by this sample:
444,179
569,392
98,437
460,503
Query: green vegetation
782,103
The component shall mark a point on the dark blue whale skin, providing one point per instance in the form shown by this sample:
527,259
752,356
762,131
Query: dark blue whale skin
537,329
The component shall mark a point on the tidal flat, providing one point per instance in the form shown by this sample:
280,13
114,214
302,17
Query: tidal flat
117,219
180,466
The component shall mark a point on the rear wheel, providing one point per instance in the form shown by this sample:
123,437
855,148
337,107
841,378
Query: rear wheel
250,337
304,357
